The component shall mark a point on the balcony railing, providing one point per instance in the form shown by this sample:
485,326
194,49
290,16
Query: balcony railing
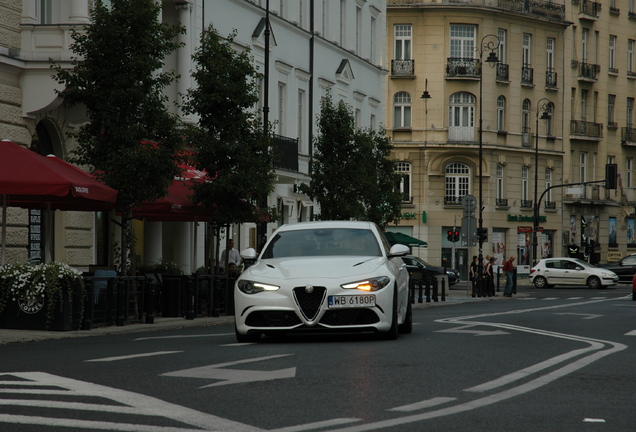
527,75
502,72
588,71
628,136
589,9
526,203
453,200
501,202
586,129
550,79
463,68
402,67
550,205
285,153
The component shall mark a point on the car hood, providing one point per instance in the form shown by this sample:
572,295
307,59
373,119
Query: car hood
315,268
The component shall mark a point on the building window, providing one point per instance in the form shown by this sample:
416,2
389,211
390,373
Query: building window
374,35
402,41
501,51
501,113
462,41
548,184
325,19
612,54
526,50
402,110
358,30
301,120
282,107
457,183
525,123
524,185
46,11
461,117
629,172
584,36
582,166
500,184
404,186
629,113
611,102
630,56
343,23
549,122
549,60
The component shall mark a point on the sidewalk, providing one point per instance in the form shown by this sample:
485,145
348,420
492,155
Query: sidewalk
458,293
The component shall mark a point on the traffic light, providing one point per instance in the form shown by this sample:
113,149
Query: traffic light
449,235
482,234
455,236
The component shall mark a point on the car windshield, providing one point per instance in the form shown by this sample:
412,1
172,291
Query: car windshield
323,242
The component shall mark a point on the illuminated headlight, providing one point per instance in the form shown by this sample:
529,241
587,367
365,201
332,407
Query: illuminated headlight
372,284
251,287
608,275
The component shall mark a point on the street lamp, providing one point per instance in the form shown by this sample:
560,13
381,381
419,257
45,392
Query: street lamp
490,43
544,105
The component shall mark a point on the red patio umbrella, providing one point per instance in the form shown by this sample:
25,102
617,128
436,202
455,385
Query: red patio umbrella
30,180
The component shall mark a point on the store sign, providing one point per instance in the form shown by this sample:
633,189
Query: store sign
524,218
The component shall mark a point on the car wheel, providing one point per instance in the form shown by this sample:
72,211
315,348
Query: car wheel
594,283
392,333
246,338
540,282
407,326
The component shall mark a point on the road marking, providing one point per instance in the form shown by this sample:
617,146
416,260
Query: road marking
631,333
591,420
184,336
575,298
475,332
587,316
316,425
423,404
132,356
234,376
550,298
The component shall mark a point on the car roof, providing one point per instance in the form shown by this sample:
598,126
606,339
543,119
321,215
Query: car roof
326,225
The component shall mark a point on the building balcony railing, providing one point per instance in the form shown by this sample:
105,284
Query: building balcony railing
586,129
588,72
612,70
403,68
550,205
527,75
614,11
285,153
453,200
502,72
463,68
501,202
628,136
589,9
526,203
537,8
551,79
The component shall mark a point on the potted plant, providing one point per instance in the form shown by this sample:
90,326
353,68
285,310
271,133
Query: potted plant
42,296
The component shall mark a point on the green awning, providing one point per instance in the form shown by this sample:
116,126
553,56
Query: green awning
407,240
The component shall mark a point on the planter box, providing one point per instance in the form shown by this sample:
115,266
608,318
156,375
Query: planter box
15,318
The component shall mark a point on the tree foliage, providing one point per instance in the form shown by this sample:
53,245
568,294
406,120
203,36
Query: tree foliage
352,176
117,75
230,141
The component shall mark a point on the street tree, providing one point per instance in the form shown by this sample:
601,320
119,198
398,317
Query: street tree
352,176
230,141
131,140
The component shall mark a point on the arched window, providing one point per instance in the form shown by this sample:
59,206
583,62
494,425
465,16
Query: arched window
501,113
461,122
402,110
457,183
404,185
525,123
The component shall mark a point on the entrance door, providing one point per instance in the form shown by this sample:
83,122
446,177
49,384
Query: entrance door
461,261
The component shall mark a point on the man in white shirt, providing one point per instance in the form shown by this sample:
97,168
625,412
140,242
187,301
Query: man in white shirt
233,259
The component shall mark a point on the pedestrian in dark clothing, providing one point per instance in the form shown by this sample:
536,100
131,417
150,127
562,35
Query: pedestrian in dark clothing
509,269
474,274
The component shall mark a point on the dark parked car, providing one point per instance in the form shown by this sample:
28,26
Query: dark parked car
418,265
624,268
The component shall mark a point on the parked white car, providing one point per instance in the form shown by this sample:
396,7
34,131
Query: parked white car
570,271
323,277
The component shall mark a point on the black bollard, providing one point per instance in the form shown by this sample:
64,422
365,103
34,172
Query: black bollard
444,289
150,312
189,299
121,303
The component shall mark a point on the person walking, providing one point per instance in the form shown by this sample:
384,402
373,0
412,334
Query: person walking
509,269
488,289
474,274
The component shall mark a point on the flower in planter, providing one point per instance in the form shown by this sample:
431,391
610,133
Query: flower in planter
34,286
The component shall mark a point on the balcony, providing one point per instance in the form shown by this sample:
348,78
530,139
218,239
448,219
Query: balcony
453,200
550,79
614,11
628,136
285,153
527,75
550,205
502,72
526,204
589,10
501,202
463,68
585,129
403,68
588,72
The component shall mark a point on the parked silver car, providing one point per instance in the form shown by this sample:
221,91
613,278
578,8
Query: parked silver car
570,271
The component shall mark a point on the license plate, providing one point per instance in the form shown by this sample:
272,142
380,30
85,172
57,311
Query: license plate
352,301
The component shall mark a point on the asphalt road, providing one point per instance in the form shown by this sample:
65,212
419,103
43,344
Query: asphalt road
548,360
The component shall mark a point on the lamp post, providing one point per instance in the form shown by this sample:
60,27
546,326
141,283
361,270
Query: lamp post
544,105
489,42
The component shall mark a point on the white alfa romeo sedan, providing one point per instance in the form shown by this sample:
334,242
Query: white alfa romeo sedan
323,277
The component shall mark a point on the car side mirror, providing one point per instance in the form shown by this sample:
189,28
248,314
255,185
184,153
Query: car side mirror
399,250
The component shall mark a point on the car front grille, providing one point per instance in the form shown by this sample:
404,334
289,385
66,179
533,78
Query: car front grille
309,300
349,317
272,319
